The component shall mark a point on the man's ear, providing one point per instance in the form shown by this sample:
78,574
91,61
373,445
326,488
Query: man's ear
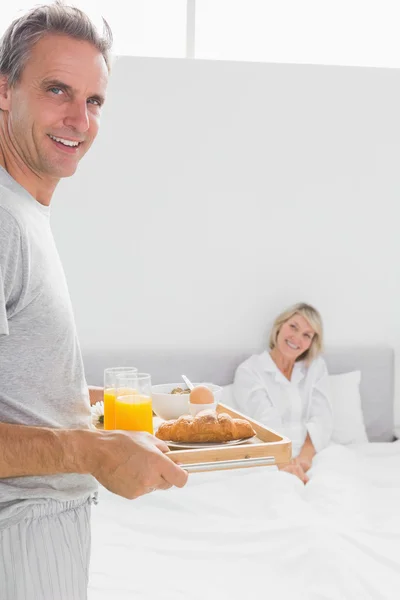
5,94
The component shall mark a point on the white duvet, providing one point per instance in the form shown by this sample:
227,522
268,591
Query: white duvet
258,533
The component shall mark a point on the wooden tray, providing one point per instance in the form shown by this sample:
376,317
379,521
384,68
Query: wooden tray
266,449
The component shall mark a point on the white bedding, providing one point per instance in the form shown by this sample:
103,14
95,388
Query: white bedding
256,532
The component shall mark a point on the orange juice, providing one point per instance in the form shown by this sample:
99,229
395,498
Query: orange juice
134,412
109,405
109,408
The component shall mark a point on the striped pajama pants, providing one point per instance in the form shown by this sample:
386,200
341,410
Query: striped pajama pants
46,555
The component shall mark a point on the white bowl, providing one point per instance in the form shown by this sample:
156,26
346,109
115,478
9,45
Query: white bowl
171,406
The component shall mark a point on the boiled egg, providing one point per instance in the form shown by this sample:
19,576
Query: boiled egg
201,395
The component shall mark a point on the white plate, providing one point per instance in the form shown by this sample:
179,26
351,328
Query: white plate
198,445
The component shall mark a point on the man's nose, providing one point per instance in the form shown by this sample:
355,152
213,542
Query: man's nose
77,117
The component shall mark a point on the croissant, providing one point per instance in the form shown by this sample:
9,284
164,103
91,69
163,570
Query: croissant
206,426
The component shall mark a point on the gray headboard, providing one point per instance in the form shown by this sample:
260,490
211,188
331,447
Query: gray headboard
377,385
375,363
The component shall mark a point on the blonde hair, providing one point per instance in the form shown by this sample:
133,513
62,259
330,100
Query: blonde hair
315,320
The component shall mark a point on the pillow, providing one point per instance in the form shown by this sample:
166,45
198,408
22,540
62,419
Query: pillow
348,420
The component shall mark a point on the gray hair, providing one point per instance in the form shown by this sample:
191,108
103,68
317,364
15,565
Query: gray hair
313,317
48,19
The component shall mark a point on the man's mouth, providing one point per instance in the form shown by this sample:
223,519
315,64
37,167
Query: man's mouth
70,145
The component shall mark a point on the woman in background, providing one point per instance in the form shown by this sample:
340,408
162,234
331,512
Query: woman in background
286,388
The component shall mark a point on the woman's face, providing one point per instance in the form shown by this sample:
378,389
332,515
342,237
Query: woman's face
295,337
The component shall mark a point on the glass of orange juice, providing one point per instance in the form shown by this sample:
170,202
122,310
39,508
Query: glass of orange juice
133,406
110,386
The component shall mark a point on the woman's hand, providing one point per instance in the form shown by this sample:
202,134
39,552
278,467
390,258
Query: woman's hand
304,462
296,469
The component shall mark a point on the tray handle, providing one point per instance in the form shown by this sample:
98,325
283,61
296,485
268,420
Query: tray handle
220,465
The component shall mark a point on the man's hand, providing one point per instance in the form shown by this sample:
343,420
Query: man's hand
128,463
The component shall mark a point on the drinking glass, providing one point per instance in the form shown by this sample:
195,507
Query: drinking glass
110,385
133,405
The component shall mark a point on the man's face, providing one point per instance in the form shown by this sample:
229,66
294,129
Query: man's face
54,109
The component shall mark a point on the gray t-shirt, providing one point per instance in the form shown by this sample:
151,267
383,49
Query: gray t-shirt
42,379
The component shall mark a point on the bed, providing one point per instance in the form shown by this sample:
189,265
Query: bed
256,532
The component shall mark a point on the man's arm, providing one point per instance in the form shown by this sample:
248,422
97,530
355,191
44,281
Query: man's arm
127,463
96,394
40,451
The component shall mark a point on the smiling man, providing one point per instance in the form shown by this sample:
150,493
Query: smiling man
54,68
50,110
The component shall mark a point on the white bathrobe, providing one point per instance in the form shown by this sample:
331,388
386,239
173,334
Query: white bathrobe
293,408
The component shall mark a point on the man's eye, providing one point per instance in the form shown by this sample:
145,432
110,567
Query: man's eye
94,101
56,90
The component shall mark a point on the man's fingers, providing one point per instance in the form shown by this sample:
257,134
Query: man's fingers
164,485
174,474
160,444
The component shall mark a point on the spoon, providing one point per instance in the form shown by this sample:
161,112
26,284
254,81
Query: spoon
188,382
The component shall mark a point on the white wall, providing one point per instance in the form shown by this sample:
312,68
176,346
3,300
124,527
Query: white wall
218,193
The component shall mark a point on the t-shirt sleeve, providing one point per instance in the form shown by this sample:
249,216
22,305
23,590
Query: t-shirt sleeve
3,311
10,268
